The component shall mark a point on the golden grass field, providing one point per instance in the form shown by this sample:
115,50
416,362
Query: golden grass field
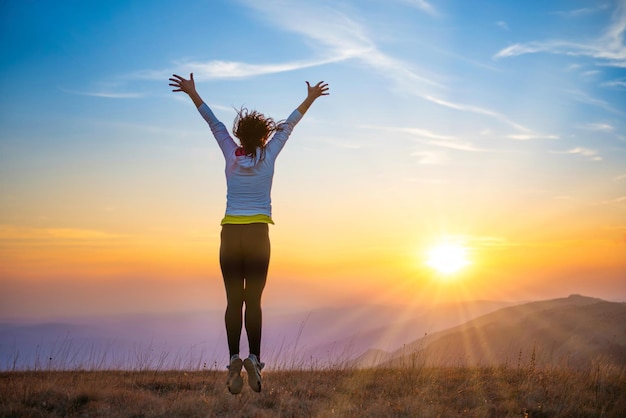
599,391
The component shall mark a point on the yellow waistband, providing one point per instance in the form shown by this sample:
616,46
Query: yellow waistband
246,219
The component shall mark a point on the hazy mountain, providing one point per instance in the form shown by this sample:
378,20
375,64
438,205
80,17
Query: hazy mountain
128,341
338,335
321,337
573,331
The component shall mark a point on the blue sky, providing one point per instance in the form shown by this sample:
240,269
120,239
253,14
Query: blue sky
452,115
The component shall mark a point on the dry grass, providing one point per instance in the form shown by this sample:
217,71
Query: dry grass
410,392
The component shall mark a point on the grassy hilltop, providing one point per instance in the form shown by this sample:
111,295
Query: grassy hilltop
409,392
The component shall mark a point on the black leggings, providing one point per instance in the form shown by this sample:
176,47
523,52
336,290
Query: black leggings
244,259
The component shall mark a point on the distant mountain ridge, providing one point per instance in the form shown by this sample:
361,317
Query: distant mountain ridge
574,331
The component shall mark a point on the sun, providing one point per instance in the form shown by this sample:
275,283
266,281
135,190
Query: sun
447,258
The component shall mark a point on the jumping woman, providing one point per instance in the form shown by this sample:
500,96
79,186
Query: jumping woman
245,244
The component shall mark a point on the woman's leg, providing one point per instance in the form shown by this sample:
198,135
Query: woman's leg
231,263
257,250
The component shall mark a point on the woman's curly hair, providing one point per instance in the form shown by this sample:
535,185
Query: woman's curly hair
253,130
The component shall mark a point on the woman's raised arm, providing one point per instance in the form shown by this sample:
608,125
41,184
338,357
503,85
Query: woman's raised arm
320,89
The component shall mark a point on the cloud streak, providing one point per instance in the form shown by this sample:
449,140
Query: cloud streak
529,136
336,37
587,99
429,157
618,201
599,127
585,152
584,11
422,5
428,137
30,234
477,110
614,83
218,69
608,49
340,35
346,38
105,94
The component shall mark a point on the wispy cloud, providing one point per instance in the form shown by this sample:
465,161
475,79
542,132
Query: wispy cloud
608,49
502,25
218,69
487,242
335,37
585,152
422,133
422,5
529,136
477,110
344,37
428,137
491,242
618,201
573,67
554,46
430,157
584,11
621,177
414,132
583,97
29,234
598,127
224,69
455,145
105,94
614,83
591,73
340,36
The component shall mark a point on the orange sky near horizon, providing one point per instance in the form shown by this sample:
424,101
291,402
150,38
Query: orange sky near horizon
377,263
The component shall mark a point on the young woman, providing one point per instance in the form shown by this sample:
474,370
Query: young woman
245,245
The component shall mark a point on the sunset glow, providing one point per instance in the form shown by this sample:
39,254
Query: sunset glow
447,258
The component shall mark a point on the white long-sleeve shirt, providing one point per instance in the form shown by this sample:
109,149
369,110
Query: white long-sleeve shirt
248,180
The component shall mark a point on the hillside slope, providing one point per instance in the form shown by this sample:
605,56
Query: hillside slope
575,331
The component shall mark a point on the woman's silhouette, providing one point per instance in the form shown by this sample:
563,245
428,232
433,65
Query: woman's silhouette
245,245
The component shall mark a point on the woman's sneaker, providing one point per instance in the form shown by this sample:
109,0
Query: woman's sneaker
235,381
253,367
